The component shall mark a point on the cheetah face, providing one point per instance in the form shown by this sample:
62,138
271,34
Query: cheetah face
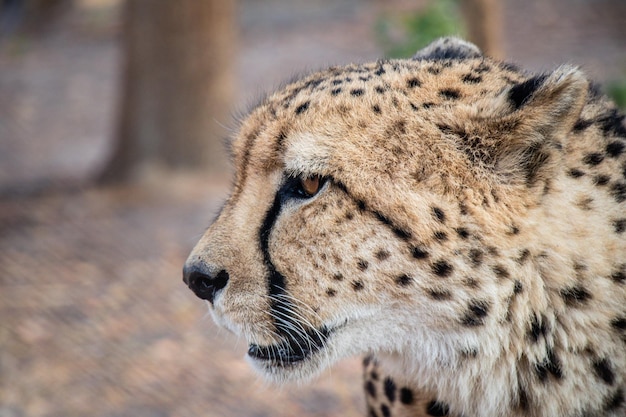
305,281
360,206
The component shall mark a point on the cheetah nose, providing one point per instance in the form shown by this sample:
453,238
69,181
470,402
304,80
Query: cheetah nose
203,282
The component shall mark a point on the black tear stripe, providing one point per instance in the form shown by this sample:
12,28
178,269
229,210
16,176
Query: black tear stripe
400,232
299,341
277,282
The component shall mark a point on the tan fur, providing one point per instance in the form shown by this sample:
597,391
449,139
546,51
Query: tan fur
470,235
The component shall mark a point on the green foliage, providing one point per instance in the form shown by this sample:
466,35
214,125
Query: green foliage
402,36
617,91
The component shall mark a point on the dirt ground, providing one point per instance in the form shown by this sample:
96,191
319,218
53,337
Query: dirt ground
94,318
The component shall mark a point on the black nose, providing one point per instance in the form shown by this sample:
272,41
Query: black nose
202,282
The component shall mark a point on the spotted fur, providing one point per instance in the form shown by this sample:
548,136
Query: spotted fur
465,230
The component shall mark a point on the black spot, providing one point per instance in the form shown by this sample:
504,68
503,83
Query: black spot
433,70
619,225
618,190
619,323
439,214
603,370
476,256
401,233
582,124
362,264
338,277
367,361
509,66
400,126
517,287
601,180
439,295
440,235
520,93
419,253
357,92
471,78
380,71
382,254
619,275
404,280
471,282
584,203
371,412
493,251
593,158
376,109
390,389
522,399
538,328
462,232
442,268
357,285
427,105
385,410
302,107
450,93
468,352
500,271
335,91
612,124
370,388
379,89
575,173
615,149
482,68
280,138
336,82
437,409
550,365
374,375
523,256
615,401
406,396
413,82
330,292
477,310
575,296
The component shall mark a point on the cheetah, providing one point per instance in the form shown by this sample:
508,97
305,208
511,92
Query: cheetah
456,220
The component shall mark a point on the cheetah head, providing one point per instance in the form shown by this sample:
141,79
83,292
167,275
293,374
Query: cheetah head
346,216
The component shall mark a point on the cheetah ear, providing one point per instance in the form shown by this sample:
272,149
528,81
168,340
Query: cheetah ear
448,48
535,117
548,104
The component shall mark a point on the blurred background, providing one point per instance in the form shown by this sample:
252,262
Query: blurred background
112,119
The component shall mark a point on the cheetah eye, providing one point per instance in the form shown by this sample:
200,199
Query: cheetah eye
310,186
303,187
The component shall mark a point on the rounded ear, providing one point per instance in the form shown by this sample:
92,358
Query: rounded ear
519,134
539,112
550,103
448,48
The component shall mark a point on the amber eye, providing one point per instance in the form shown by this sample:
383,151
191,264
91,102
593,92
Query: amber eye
311,185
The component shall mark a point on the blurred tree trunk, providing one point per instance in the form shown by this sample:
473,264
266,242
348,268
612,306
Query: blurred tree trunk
177,86
484,25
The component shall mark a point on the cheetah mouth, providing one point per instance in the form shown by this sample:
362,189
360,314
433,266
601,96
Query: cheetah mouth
293,349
